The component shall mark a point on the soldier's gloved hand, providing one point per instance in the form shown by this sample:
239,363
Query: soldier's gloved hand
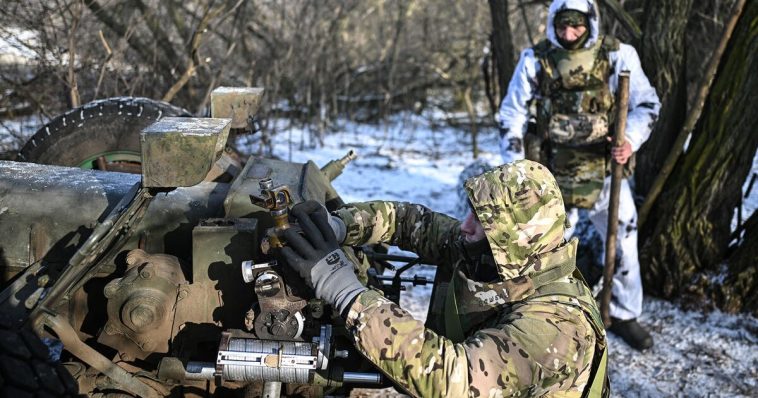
317,257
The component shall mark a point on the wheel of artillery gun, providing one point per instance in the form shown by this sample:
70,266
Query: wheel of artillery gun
102,134
26,369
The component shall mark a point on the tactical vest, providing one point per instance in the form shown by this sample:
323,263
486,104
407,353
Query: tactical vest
575,114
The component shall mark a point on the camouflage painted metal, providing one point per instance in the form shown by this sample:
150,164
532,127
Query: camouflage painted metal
236,103
535,330
151,272
575,115
195,143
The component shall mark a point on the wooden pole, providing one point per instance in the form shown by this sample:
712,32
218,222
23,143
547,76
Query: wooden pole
617,175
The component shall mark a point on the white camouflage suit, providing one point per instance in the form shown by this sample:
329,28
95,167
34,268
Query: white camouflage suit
643,110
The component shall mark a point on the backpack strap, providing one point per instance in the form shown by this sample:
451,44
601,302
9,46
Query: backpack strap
610,43
453,327
599,382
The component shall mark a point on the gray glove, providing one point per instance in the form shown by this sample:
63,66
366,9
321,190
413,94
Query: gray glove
339,228
317,257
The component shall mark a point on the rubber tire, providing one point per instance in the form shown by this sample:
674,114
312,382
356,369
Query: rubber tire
107,125
26,369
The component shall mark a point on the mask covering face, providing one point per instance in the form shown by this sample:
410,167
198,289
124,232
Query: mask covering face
480,264
572,18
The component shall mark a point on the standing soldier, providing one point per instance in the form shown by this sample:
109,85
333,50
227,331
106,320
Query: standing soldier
513,318
571,78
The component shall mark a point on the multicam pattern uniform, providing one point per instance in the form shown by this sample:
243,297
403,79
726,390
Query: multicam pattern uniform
529,343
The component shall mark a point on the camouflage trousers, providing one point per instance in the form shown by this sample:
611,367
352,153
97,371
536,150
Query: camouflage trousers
627,283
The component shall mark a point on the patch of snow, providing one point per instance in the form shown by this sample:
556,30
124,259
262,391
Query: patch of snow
17,46
695,355
749,194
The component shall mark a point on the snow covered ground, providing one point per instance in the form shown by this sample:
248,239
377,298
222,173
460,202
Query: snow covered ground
695,354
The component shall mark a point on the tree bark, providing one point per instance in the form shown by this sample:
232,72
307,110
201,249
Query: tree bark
739,291
692,227
502,47
693,115
663,57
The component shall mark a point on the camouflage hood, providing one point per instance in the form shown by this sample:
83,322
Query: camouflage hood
587,7
521,208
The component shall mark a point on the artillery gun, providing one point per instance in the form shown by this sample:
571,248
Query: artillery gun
164,283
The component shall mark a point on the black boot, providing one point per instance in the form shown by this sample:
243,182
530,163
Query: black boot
632,333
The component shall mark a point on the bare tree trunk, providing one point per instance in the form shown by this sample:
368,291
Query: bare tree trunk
693,116
404,11
502,47
691,222
739,291
663,57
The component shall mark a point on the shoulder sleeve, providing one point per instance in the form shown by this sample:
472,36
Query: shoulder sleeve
514,110
525,355
644,105
411,227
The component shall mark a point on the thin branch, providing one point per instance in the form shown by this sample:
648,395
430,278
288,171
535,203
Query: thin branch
28,94
624,18
215,78
122,31
197,38
109,55
160,36
72,84
525,20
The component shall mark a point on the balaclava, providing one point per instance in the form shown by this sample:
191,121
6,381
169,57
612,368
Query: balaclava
572,18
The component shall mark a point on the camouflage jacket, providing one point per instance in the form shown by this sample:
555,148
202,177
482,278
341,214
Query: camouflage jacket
532,342
573,91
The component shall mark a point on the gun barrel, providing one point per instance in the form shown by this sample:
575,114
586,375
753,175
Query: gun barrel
349,157
334,168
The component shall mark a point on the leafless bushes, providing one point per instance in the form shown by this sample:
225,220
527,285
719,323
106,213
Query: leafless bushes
317,59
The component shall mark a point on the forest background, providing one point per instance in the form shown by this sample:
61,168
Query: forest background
367,60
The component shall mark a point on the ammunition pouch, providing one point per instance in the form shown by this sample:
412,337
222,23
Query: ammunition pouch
578,129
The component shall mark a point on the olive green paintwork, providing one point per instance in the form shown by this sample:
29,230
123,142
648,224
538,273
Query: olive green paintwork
179,152
236,103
